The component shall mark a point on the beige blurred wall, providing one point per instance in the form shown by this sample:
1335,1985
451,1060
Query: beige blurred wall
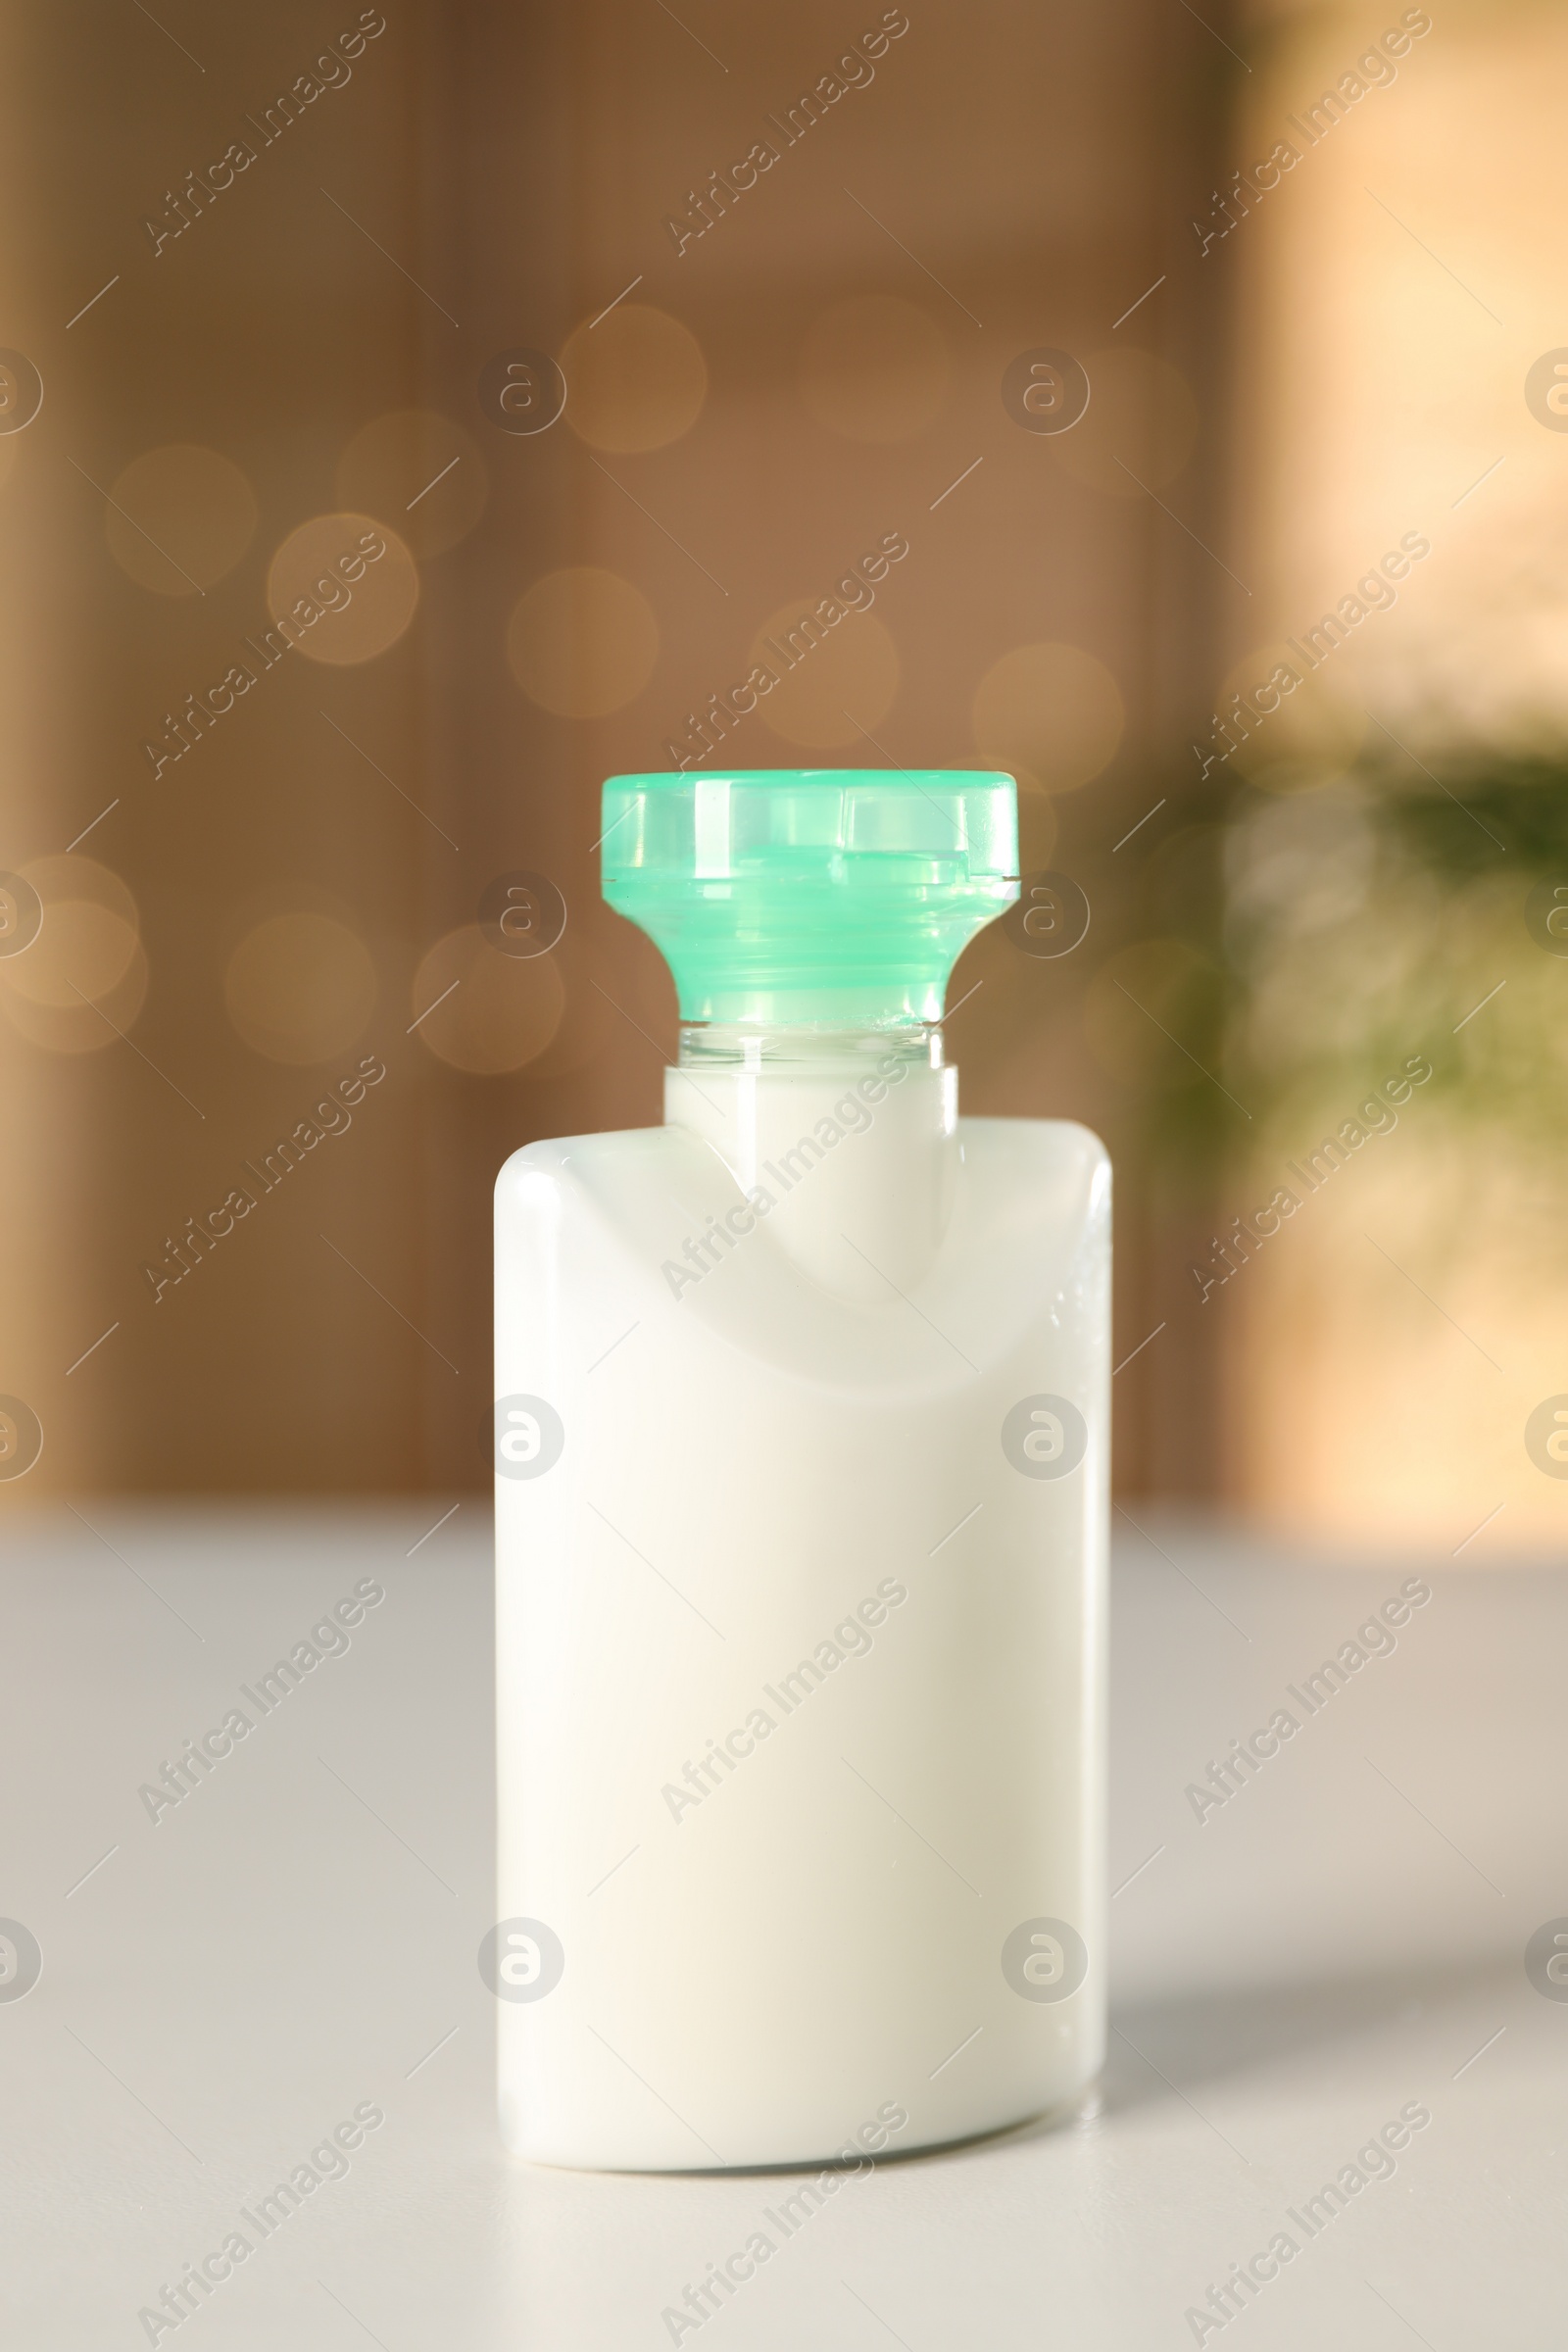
756,411
1393,294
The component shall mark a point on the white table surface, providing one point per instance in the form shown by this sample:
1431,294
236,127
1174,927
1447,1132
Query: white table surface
298,1937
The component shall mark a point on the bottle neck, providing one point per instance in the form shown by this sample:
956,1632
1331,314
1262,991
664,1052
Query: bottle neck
851,1136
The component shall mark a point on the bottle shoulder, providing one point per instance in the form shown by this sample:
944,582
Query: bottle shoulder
552,1161
1061,1141
652,1225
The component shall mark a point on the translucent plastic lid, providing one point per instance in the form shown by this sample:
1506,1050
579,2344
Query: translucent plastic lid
838,897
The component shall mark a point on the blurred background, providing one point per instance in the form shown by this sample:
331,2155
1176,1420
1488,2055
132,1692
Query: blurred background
1212,368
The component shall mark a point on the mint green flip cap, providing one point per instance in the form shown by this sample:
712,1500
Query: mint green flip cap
811,896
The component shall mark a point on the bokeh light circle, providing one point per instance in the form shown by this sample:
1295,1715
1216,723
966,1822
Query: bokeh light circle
84,950
582,642
299,987
1051,710
835,677
82,980
79,1027
179,519
484,1012
421,469
346,602
636,380
86,938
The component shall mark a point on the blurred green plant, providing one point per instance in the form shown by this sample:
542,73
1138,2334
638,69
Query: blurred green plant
1312,940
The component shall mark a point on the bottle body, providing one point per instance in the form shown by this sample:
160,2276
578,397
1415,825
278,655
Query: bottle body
803,1437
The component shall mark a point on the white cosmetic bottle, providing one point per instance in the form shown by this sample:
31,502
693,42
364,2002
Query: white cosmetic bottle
801,1441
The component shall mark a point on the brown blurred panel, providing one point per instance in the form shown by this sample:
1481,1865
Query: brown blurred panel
266,332
1000,179
750,411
